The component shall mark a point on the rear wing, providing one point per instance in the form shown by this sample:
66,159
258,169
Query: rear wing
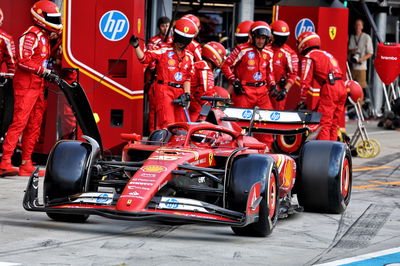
273,121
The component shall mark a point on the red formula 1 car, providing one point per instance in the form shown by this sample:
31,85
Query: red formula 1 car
210,171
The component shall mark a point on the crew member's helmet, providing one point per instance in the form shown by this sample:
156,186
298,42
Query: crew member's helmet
195,20
46,15
184,31
1,17
214,52
260,28
242,31
222,92
308,40
280,31
354,90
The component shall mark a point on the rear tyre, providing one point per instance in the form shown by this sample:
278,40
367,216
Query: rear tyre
66,175
246,171
325,176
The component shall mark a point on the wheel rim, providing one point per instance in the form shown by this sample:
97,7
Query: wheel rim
272,195
345,182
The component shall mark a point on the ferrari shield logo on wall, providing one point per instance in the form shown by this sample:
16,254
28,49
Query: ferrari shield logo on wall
332,32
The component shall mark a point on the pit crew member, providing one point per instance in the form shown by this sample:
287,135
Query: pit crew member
321,66
29,106
173,69
7,48
242,31
285,62
194,46
202,83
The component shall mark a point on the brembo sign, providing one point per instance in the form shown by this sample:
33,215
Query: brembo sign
114,25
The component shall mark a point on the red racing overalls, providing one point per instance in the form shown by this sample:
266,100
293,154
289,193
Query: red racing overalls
317,65
285,65
7,51
172,70
201,84
154,43
29,103
253,68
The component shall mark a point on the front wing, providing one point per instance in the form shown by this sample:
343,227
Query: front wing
164,208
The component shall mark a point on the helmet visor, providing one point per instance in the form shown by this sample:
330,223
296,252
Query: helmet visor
180,39
52,18
261,32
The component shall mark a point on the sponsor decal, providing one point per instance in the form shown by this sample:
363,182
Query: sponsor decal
334,62
257,76
303,25
203,160
170,54
251,62
264,56
140,188
102,198
154,168
186,29
141,183
43,39
165,157
171,62
178,76
247,114
114,25
275,116
147,175
332,32
251,55
210,158
388,58
280,54
172,203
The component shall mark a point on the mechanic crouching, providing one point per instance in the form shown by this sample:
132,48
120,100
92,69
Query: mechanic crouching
173,70
29,102
322,67
202,83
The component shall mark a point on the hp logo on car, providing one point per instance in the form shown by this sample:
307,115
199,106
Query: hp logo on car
114,25
275,116
247,114
102,198
304,25
172,203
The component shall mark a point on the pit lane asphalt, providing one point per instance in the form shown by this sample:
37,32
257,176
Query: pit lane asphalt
371,223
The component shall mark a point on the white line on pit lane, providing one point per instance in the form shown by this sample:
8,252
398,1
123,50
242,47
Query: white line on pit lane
361,257
9,264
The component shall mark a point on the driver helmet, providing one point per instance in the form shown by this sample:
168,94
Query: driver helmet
280,31
195,20
184,31
307,41
242,31
46,15
214,52
260,28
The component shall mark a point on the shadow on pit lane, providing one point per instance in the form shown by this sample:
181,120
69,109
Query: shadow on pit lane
151,229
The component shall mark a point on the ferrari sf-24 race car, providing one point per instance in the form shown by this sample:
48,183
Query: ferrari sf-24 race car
210,171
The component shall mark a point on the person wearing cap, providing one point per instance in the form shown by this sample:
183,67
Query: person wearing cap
285,62
321,66
249,69
202,83
174,67
32,70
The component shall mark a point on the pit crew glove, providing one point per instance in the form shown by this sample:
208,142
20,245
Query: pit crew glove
273,91
184,99
282,95
301,106
237,87
134,41
50,75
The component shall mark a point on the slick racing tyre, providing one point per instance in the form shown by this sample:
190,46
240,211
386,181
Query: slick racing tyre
324,184
246,171
66,175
